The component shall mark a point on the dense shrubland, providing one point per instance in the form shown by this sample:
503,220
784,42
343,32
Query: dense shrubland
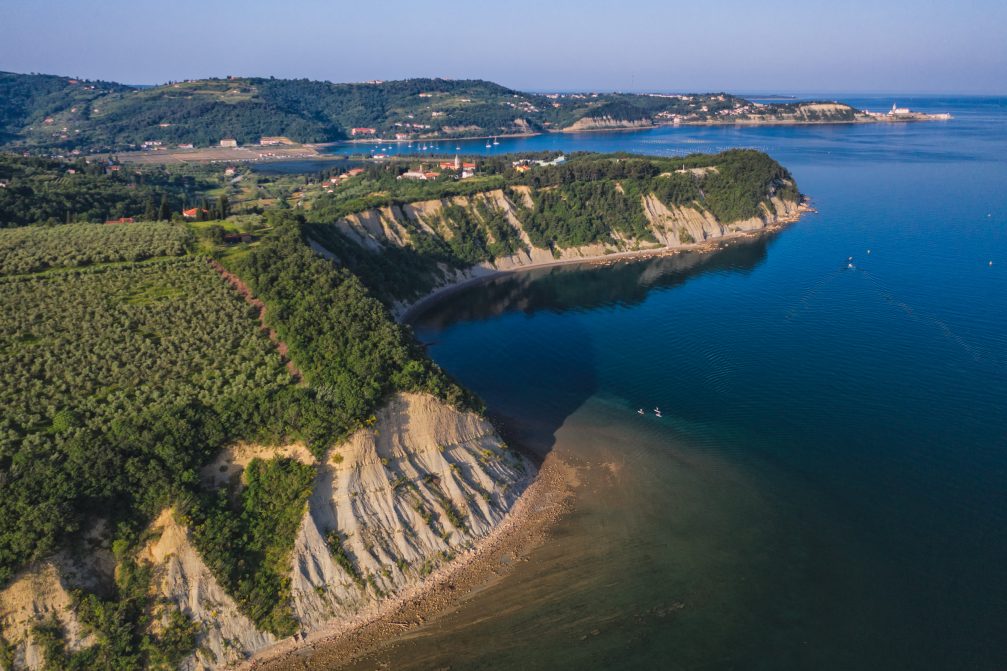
46,191
246,540
118,383
31,249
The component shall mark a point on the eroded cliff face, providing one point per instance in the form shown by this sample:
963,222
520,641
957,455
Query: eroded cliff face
182,577
671,227
42,594
606,123
37,596
396,501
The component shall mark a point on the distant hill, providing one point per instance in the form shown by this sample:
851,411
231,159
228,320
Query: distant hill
46,113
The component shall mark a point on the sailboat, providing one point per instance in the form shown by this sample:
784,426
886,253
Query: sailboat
496,141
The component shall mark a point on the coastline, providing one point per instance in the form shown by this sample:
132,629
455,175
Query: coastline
616,129
545,501
410,312
528,525
315,150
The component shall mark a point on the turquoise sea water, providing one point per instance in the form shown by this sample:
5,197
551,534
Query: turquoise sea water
827,488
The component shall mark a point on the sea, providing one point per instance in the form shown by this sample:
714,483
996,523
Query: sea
826,485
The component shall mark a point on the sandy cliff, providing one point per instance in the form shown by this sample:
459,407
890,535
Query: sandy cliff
37,595
606,122
397,500
182,577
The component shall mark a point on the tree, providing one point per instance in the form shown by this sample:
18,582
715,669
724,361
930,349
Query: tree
164,212
150,211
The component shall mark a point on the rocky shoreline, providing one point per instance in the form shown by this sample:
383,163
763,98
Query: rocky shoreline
408,313
526,527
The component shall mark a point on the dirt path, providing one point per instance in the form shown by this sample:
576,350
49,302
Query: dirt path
250,298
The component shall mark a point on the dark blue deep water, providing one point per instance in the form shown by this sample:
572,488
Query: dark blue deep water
827,488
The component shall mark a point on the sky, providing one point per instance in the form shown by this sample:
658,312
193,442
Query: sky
786,46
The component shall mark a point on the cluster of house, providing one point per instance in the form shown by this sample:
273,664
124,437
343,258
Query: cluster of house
525,164
522,106
700,113
457,167
339,179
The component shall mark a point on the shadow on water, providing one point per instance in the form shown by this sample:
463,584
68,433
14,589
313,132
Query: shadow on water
588,287
508,302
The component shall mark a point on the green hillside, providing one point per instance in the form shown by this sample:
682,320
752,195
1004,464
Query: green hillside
132,354
47,113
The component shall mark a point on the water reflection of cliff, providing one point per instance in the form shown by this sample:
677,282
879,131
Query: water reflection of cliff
583,287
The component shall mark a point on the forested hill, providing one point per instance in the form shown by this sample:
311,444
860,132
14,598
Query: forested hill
405,237
49,113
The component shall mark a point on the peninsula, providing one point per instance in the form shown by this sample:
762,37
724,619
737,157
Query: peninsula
261,453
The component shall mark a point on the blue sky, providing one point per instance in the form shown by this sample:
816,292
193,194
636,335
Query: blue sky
769,45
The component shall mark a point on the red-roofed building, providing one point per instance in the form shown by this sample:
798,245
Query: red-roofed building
363,131
120,220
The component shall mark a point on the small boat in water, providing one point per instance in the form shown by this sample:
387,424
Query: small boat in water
640,412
